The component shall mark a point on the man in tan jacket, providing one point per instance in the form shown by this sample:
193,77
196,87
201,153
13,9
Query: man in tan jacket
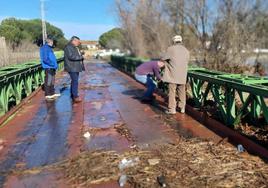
175,74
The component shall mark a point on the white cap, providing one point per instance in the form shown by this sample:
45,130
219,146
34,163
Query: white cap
177,38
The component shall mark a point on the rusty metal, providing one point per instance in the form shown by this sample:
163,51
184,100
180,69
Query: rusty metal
19,81
126,65
43,133
236,96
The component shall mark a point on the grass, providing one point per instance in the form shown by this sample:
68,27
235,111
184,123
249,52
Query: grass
25,52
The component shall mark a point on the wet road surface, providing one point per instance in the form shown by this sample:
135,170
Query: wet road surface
43,133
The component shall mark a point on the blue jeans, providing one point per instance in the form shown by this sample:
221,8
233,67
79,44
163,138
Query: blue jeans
145,79
150,87
74,84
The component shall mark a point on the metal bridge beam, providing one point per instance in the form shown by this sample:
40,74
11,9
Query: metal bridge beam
19,81
235,96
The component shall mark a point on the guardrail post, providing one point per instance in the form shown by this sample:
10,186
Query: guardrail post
18,86
255,110
230,105
249,103
220,100
18,81
28,84
196,87
264,108
2,101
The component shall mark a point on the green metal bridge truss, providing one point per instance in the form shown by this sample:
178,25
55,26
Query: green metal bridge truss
19,81
236,97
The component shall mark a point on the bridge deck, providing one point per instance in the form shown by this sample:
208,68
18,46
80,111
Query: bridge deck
42,133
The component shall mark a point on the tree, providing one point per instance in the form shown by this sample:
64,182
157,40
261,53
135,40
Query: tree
12,34
218,32
30,30
112,39
146,29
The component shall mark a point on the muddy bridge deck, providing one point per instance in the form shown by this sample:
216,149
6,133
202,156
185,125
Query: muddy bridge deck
42,133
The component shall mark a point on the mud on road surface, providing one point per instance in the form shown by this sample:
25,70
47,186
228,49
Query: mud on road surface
44,143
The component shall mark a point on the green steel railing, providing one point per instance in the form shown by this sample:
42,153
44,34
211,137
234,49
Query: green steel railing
19,81
236,97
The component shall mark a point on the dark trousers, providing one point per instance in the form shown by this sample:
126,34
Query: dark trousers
150,87
74,84
49,82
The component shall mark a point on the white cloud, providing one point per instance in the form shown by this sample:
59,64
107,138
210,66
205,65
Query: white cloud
84,31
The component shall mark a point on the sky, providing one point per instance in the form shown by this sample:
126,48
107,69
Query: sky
87,19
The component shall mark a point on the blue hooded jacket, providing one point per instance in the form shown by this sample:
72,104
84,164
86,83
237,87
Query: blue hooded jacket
48,58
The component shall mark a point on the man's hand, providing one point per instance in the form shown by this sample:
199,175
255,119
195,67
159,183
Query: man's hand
160,84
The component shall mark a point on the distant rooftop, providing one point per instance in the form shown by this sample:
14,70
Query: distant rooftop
90,42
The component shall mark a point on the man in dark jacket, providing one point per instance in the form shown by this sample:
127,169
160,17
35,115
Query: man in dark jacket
73,64
50,65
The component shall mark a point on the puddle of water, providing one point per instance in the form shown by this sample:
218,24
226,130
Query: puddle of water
107,140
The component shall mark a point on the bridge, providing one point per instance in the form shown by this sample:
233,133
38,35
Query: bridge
40,141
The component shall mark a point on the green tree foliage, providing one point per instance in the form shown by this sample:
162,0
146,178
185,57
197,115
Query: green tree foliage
16,30
112,39
12,34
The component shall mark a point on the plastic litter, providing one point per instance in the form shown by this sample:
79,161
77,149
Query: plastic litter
122,180
240,148
87,135
102,118
153,161
125,163
162,181
133,146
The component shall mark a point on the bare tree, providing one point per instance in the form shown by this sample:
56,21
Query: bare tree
217,32
232,39
147,31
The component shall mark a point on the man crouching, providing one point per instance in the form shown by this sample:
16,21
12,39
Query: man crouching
144,74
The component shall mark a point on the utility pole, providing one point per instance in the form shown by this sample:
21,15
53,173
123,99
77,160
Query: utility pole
44,28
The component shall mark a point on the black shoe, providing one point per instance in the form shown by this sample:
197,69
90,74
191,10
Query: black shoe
77,100
146,100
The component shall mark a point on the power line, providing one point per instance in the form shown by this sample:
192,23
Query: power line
44,28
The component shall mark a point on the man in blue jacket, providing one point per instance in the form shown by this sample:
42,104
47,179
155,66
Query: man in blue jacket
50,65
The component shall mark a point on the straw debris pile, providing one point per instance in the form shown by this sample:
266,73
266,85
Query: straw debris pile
191,163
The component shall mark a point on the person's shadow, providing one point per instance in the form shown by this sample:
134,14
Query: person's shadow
137,94
134,93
